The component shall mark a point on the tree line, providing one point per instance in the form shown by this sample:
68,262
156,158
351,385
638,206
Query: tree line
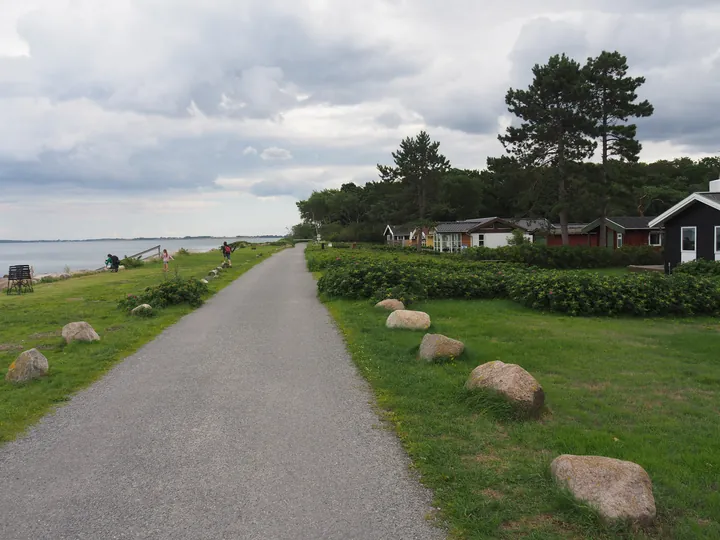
567,115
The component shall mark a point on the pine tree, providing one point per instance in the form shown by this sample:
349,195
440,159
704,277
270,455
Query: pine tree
556,127
613,102
419,166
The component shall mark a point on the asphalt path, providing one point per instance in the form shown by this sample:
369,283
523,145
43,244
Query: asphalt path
245,420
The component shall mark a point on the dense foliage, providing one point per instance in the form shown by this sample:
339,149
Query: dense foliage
699,267
377,275
168,293
568,257
130,262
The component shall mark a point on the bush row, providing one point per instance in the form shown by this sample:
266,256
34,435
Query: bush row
699,267
568,257
574,293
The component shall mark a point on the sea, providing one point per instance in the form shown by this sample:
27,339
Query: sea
56,257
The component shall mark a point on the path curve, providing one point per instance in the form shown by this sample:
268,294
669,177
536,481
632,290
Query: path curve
245,420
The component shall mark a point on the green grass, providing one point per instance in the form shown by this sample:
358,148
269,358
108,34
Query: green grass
647,391
36,319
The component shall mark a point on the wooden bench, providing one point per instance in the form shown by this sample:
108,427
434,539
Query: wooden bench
20,279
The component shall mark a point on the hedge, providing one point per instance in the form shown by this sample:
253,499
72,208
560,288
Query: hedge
574,293
699,267
568,257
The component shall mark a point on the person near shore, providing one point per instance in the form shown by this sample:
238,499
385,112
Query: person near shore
108,261
114,262
227,251
166,258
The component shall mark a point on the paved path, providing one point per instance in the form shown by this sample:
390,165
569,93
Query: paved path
245,420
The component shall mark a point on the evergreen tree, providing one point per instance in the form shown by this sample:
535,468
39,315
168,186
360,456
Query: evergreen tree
419,166
556,128
613,103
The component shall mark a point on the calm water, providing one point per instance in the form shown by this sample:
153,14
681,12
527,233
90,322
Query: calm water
51,257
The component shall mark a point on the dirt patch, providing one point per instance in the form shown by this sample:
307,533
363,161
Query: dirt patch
492,494
74,299
114,328
10,347
529,522
41,335
593,387
45,347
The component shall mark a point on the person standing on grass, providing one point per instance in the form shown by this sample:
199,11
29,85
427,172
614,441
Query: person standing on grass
227,250
166,258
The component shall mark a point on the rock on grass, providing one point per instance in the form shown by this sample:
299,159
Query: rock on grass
409,320
79,331
29,365
513,382
618,490
438,347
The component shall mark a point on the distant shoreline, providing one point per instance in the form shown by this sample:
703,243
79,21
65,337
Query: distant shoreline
139,238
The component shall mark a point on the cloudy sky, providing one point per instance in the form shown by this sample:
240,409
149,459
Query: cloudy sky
180,117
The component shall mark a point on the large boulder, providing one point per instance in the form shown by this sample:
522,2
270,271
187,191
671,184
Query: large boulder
29,365
512,381
438,347
410,320
390,304
142,309
619,490
205,281
213,273
79,331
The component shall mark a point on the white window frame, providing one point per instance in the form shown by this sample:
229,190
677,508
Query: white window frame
682,240
717,251
619,240
660,238
481,240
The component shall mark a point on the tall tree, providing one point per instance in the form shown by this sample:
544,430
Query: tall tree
613,102
419,166
556,127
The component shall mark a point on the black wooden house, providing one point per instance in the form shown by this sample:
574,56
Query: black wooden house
692,228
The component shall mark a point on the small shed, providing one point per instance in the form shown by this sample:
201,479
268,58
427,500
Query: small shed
626,231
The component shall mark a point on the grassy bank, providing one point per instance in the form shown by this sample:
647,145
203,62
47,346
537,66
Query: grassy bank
642,390
36,319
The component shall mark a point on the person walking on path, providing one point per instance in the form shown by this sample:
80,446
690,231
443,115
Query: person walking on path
227,250
166,258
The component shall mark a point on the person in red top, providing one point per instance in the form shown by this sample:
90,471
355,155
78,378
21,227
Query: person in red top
227,250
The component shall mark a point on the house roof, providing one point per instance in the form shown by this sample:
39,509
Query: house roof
623,223
711,199
469,225
532,225
573,228
399,230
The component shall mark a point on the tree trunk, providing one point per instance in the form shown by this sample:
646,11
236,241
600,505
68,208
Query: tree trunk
562,195
605,179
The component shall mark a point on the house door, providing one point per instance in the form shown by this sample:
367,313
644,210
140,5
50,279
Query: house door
688,244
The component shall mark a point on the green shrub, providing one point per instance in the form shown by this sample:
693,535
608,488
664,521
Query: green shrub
568,257
574,293
699,267
182,252
171,292
129,262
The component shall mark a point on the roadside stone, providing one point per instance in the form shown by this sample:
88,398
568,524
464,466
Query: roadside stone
512,381
79,331
121,267
409,320
141,309
29,365
619,490
205,281
213,273
390,304
225,265
438,347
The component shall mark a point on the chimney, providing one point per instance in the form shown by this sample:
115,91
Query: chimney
715,186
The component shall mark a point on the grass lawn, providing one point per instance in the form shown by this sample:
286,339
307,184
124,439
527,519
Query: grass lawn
36,319
647,391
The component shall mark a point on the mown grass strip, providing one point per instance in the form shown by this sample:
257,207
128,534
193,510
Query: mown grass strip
641,390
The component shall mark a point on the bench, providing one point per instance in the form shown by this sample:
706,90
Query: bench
20,279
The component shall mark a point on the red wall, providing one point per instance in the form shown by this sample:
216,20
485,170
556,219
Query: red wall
575,240
635,238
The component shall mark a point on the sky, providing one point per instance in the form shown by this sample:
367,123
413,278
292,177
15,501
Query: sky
178,117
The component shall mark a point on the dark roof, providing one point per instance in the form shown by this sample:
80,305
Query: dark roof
708,198
633,222
400,230
457,226
623,223
573,228
532,225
